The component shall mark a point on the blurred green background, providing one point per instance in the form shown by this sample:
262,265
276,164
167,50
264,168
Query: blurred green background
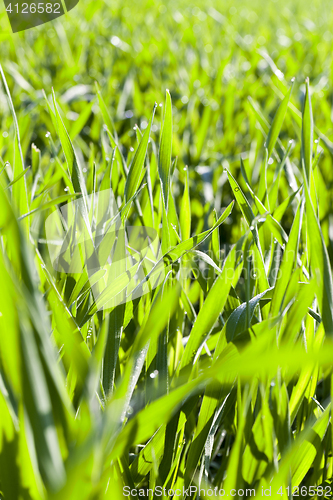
212,56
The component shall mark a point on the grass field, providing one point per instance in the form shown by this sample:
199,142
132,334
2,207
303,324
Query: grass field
166,298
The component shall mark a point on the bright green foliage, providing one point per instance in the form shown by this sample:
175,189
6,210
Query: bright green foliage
221,374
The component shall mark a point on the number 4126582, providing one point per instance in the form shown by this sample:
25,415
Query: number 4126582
33,7
304,491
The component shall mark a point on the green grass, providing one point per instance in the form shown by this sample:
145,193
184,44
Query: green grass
219,373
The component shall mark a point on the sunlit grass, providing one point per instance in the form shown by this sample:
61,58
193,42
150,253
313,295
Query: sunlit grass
213,366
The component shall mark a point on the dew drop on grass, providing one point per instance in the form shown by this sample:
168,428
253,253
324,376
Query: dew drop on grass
115,40
270,161
131,149
154,374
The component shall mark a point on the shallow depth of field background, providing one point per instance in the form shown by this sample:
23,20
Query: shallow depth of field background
211,56
86,407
